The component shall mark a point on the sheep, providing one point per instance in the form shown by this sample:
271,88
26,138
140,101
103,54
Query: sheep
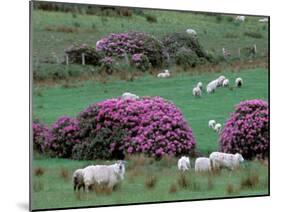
225,83
225,160
263,20
128,95
184,163
191,32
78,180
211,87
220,80
196,91
104,175
240,18
217,127
239,82
200,85
212,124
164,74
202,164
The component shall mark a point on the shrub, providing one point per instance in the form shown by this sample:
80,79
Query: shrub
151,18
247,130
141,62
175,41
132,43
75,51
107,64
153,126
65,134
256,35
186,57
41,137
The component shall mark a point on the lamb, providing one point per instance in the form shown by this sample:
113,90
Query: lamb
164,74
191,32
196,91
220,80
239,82
212,124
128,95
200,85
78,180
225,160
217,127
211,87
202,164
104,175
225,83
240,18
184,163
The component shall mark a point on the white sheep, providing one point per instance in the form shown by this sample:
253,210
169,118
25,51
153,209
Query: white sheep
217,127
184,163
263,20
225,83
212,124
196,91
240,18
191,32
239,82
220,80
211,87
78,180
104,175
128,95
225,160
164,74
202,164
200,85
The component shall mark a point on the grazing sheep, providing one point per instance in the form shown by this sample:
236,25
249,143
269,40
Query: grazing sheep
225,83
108,176
225,160
212,124
164,74
128,95
191,32
217,127
200,85
239,82
263,20
220,80
184,163
240,18
196,91
211,87
78,180
202,164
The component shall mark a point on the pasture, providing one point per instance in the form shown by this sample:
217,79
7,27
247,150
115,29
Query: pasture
72,88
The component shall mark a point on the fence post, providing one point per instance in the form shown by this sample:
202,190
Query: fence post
239,52
255,48
83,59
66,59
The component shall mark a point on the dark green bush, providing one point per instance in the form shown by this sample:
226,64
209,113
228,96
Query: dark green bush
186,57
151,18
252,34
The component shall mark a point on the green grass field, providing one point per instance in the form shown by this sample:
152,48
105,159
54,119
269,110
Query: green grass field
50,100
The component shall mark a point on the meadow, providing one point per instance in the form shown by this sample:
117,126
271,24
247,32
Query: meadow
149,180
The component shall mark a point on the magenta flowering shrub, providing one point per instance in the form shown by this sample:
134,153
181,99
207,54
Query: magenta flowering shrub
75,51
65,134
41,137
140,61
247,130
131,43
153,126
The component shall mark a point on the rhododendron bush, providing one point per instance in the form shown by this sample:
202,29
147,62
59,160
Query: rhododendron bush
247,130
41,137
131,43
153,126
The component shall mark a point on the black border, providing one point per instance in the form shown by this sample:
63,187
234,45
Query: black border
140,203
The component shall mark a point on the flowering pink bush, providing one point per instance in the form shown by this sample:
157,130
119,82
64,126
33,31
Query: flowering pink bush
140,61
41,137
65,134
247,130
132,43
153,126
